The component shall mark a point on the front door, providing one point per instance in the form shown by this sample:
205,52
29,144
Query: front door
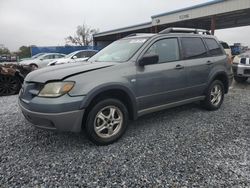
164,82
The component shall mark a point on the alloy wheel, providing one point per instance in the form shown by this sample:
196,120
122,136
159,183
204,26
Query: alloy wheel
108,121
216,95
9,85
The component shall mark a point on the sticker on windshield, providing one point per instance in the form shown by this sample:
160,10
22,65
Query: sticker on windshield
137,41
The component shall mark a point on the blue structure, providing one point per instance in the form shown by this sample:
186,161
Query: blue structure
60,49
236,50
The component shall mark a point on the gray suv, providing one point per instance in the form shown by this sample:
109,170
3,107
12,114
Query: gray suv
137,75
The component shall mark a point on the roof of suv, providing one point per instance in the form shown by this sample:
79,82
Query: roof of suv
187,32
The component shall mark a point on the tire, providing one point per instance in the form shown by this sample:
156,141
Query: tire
9,85
214,97
33,66
104,127
240,79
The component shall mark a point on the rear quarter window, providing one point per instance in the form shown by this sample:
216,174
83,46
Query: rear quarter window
193,48
213,47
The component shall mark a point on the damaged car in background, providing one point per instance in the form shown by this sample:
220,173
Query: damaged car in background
11,78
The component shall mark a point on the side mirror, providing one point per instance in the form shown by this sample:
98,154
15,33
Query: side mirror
149,59
74,57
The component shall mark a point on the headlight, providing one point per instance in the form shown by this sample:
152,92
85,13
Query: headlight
56,89
236,60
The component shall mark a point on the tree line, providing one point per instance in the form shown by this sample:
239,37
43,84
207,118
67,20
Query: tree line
82,37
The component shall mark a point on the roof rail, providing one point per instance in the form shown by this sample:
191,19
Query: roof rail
138,34
184,30
131,35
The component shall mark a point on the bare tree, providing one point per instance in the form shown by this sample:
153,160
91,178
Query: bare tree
82,37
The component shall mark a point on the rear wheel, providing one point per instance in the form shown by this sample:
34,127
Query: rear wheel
240,79
106,122
214,95
9,85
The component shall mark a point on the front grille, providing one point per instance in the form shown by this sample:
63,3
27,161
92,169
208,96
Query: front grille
243,61
247,71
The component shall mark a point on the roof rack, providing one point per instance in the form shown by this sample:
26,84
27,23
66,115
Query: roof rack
184,30
139,34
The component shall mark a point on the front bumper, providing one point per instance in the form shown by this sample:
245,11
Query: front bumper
241,70
64,121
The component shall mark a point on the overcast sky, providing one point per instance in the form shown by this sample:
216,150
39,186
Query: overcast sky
48,22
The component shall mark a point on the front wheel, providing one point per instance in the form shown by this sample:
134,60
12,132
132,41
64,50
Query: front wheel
214,96
106,121
33,66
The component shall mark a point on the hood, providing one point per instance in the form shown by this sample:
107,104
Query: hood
61,72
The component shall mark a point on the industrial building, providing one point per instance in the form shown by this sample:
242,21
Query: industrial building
217,14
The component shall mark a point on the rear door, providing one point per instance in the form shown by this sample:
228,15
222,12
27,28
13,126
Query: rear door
197,63
164,82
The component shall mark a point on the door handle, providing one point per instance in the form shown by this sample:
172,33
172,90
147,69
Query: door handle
209,63
179,67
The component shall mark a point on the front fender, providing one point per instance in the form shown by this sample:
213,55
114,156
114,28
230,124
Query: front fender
107,87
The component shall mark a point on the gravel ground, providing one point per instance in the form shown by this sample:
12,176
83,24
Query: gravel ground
181,147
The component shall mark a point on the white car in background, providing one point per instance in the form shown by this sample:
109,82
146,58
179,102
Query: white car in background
33,57
77,56
227,50
241,67
42,60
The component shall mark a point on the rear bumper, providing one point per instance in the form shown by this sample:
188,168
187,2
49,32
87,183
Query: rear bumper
64,121
241,70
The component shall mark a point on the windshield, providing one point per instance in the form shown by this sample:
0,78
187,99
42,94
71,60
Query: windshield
69,55
37,55
119,51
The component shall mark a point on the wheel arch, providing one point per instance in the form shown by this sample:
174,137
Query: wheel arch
223,77
33,64
120,92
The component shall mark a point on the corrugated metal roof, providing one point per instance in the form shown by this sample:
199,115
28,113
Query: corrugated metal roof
143,25
188,8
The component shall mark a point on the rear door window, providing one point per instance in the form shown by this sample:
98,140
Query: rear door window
193,48
166,49
213,47
48,57
58,56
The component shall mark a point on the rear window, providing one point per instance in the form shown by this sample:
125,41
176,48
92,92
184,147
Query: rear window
225,45
193,48
213,47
